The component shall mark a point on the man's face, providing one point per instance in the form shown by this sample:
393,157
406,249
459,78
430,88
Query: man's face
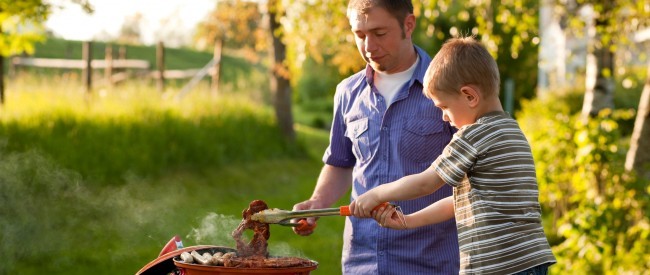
381,40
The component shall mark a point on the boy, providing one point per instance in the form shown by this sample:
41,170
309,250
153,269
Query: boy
489,165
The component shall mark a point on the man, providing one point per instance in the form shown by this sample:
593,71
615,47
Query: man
384,128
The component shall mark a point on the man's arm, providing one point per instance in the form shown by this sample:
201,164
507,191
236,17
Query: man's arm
333,182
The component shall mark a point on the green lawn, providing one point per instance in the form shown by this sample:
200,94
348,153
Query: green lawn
97,184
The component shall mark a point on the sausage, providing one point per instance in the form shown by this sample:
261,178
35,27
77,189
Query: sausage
187,257
200,258
217,258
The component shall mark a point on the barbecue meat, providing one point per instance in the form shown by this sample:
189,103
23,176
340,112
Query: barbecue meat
261,233
273,262
254,254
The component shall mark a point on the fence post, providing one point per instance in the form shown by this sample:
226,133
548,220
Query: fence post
68,55
108,70
160,63
218,44
509,95
87,75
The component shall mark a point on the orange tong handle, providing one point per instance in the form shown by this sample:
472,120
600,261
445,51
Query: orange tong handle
345,210
303,225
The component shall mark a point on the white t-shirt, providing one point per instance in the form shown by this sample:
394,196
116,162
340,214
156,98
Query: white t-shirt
389,85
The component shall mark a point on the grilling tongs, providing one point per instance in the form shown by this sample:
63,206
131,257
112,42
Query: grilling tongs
284,217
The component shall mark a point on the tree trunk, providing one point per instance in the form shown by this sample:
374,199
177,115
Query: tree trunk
551,65
2,80
638,157
280,85
2,76
599,93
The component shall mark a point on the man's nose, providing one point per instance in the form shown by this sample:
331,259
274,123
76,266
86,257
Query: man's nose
370,44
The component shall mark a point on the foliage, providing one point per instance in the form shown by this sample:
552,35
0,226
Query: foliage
238,23
304,26
507,28
21,23
615,20
130,32
593,208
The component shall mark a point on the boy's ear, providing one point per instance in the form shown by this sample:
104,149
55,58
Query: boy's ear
471,95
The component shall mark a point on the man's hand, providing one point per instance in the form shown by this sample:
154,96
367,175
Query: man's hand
311,222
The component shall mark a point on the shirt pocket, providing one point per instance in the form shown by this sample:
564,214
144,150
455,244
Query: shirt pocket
357,132
423,139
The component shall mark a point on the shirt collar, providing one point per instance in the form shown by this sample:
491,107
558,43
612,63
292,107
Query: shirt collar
418,75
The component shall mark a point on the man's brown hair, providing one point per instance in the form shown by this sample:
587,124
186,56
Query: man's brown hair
397,8
462,61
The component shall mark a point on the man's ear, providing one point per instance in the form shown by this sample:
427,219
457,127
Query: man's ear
471,95
409,25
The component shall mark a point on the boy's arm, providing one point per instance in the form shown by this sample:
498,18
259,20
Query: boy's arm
437,212
406,188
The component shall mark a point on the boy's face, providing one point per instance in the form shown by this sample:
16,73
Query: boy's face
455,108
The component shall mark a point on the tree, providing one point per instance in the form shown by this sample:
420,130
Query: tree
280,79
234,24
612,26
638,157
508,29
130,32
237,24
21,25
319,30
255,28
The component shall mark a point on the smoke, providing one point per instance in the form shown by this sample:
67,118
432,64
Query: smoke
284,250
215,229
39,203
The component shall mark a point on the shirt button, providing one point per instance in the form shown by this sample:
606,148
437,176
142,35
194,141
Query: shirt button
381,253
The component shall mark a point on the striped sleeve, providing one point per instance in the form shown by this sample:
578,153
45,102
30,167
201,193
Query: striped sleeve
456,160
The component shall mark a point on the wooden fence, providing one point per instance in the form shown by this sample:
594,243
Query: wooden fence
115,68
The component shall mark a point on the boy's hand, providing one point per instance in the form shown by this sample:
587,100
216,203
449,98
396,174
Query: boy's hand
389,217
362,207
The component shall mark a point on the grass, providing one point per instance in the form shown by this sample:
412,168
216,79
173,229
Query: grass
98,184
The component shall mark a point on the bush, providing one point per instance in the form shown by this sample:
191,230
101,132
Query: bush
593,208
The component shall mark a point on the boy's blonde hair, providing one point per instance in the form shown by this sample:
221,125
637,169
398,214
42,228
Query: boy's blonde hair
462,61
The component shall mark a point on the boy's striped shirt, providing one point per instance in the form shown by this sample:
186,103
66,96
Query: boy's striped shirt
491,167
